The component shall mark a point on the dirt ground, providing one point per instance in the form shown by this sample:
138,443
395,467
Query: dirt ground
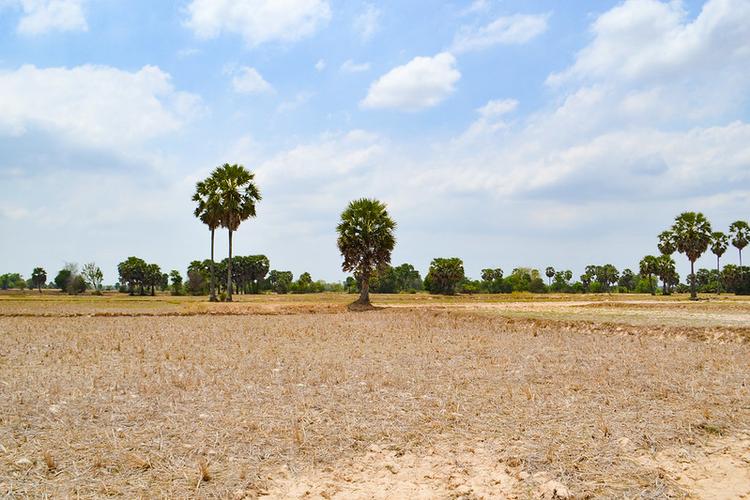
296,397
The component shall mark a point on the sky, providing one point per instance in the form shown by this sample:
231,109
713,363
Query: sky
522,133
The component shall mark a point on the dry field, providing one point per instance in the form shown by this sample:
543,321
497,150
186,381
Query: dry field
479,397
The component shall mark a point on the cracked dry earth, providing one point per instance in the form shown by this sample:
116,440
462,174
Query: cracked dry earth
394,403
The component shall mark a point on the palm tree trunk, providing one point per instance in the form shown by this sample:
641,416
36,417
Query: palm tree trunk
229,270
718,276
212,297
364,294
693,294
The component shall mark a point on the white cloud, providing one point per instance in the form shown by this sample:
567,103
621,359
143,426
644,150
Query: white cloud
43,16
93,105
350,66
258,21
476,6
249,81
490,119
368,22
507,30
320,65
421,83
649,40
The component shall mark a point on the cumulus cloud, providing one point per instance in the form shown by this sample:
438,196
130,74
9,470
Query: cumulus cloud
423,82
44,16
258,21
320,65
249,81
93,105
507,30
650,40
368,22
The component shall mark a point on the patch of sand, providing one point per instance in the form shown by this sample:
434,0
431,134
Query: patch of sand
720,470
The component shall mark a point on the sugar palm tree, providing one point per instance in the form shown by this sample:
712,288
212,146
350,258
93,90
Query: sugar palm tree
666,243
740,232
692,236
366,241
648,266
38,278
719,245
209,212
237,195
549,272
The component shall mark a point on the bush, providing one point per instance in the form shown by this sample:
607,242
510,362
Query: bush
537,285
77,285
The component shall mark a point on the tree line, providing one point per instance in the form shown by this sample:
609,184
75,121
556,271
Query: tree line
366,239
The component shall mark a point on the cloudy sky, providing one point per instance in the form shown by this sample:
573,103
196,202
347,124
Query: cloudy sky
508,133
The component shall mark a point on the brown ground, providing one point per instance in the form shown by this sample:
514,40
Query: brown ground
449,398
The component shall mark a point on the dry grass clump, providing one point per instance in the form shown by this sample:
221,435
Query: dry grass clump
129,405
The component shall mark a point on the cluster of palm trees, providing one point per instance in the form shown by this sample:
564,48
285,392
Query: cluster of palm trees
225,199
692,235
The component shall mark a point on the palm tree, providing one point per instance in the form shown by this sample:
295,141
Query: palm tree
209,212
719,245
692,236
740,232
549,272
38,278
237,194
366,240
666,243
649,265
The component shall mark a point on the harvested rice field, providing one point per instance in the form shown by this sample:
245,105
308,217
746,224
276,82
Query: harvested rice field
296,397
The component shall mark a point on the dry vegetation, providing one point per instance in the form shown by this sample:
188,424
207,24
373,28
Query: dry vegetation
293,397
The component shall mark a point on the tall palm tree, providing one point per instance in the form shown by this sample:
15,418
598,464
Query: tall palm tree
692,236
648,266
238,195
549,272
209,212
366,241
740,232
666,243
719,245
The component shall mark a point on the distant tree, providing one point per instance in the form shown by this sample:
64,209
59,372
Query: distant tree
586,279
666,243
77,285
550,273
561,281
238,196
153,277
366,241
176,279
444,276
383,280
280,281
649,266
666,270
719,245
407,278
627,280
607,275
692,236
11,281
208,210
133,273
93,276
62,279
38,278
740,233
196,282
492,280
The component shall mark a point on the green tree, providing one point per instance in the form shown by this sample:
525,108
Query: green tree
38,278
445,275
407,278
62,279
132,273
627,280
692,236
93,276
666,243
12,280
649,266
550,273
366,241
176,279
238,196
492,280
153,277
666,270
740,233
208,210
719,245
280,281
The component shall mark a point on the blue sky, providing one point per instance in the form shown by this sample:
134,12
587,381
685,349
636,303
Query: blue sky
526,133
